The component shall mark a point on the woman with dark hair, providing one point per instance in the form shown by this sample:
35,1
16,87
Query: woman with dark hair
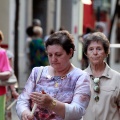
62,91
105,82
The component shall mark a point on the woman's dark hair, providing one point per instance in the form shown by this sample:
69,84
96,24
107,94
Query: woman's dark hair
96,36
29,31
62,38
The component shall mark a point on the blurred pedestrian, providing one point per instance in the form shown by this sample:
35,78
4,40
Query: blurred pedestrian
36,22
5,73
61,28
84,60
29,30
38,55
102,27
117,51
105,82
47,36
30,34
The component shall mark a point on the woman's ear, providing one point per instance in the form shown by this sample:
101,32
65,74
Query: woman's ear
71,52
85,54
108,53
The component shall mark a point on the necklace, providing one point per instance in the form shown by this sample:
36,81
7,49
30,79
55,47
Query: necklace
58,76
56,84
58,80
64,72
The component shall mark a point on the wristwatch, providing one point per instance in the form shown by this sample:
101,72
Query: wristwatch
53,104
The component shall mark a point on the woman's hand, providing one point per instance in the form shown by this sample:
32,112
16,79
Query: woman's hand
26,115
42,99
15,94
5,75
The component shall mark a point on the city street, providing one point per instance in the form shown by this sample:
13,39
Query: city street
80,18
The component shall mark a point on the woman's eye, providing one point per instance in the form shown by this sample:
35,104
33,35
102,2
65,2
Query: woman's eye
90,49
49,55
58,55
98,48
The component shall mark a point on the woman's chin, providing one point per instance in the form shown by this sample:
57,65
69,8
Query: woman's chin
96,63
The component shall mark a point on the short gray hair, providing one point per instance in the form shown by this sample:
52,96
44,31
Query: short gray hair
96,36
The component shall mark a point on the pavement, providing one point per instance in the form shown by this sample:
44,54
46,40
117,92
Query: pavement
13,109
14,114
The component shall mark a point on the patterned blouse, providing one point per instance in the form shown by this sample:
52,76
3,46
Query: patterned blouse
73,90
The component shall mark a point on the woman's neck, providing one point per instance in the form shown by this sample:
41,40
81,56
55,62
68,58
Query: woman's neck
98,69
61,72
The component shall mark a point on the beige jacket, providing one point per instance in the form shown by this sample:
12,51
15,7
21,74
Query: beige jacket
109,97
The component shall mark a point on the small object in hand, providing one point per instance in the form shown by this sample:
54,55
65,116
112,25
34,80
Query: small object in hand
35,105
43,92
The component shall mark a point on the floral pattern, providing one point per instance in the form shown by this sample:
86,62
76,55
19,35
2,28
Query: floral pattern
67,91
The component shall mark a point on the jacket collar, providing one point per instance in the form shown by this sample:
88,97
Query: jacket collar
106,72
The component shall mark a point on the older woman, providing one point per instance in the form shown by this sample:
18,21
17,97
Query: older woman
66,90
105,82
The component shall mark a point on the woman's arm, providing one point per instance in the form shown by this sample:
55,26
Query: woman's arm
12,87
5,75
77,108
14,92
73,111
5,72
23,102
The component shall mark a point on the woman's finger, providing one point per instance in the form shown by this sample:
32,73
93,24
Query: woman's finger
24,117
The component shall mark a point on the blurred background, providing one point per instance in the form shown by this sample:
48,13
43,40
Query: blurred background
76,16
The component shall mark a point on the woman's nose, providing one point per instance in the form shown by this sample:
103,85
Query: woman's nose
53,58
94,51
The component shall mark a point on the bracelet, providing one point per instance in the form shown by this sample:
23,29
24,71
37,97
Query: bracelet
53,104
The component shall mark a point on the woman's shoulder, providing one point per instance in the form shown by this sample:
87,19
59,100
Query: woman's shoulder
9,54
37,69
113,72
78,72
80,75
2,52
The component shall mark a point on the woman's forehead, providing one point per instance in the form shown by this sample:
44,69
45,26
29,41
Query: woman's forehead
54,48
95,43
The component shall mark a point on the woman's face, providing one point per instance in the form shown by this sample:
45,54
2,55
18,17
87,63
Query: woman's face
96,53
58,58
